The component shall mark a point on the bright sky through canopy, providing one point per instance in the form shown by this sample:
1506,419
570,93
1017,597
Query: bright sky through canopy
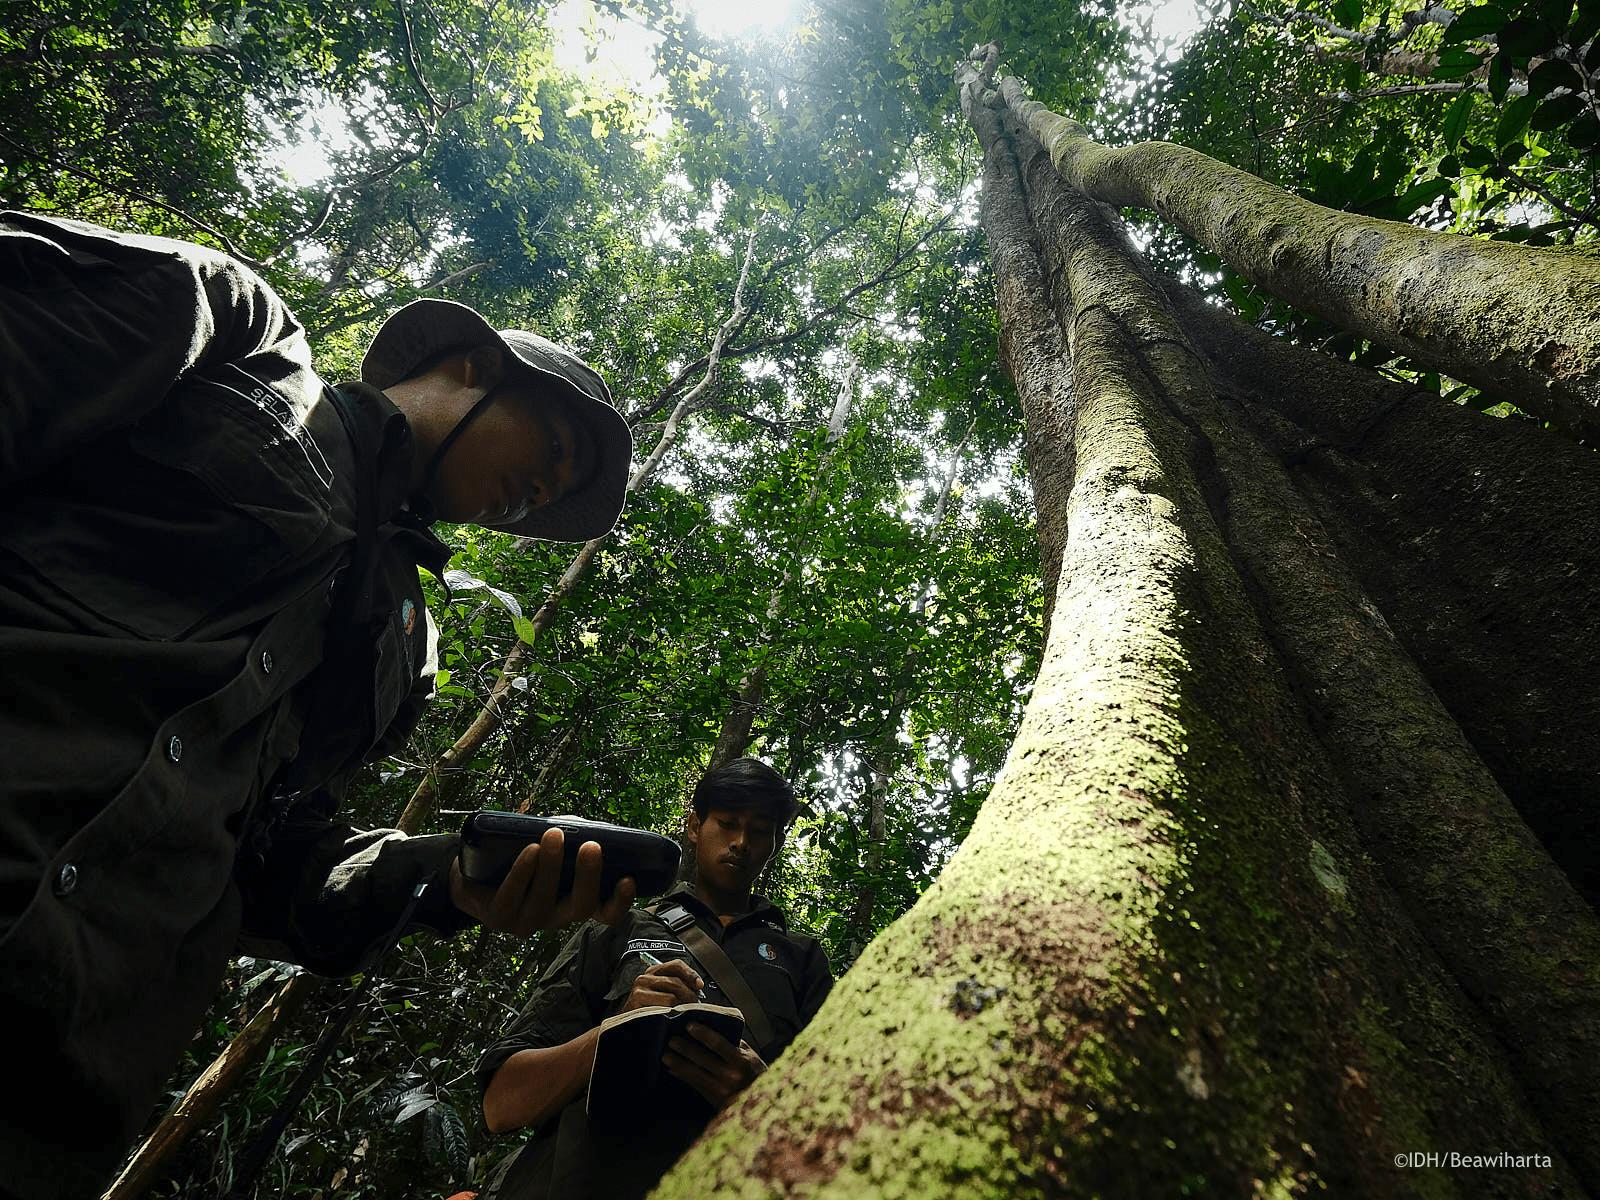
625,56
628,54
744,16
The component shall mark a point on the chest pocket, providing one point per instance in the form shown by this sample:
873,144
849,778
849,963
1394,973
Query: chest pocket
365,698
775,976
179,520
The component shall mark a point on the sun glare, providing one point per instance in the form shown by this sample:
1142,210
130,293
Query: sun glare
727,17
599,45
620,54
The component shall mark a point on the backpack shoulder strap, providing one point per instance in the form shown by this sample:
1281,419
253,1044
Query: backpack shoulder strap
718,965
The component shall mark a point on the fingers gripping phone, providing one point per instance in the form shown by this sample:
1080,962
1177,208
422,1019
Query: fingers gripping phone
491,841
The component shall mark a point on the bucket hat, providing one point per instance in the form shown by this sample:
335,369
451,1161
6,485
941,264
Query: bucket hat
424,329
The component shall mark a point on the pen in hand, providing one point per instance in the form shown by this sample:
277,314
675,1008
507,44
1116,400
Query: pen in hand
653,961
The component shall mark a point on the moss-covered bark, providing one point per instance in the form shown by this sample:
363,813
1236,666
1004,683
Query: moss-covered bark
1246,912
1519,321
1475,538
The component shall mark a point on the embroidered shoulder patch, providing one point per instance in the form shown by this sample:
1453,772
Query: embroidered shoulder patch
653,945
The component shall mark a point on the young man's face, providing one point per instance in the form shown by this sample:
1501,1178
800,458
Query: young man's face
731,848
526,449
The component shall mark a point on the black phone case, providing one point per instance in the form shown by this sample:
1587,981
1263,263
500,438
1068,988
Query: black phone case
491,841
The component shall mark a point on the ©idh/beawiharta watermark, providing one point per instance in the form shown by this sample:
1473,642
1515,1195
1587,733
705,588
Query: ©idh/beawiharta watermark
1455,1159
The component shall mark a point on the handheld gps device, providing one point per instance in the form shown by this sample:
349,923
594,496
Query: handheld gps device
491,841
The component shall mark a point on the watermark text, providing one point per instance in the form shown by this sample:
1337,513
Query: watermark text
1455,1160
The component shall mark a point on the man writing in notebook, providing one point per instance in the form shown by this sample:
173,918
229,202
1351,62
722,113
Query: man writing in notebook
711,939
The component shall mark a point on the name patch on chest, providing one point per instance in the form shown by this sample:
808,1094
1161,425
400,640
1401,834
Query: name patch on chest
655,946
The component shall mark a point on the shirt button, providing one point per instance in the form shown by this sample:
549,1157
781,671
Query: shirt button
266,662
175,748
66,879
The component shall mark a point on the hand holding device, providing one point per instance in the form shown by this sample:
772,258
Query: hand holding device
528,898
491,841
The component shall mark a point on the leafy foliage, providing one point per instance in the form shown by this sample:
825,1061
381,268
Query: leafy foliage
1475,119
1484,122
462,161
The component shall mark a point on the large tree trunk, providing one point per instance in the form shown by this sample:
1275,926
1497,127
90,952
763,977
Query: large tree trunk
1251,909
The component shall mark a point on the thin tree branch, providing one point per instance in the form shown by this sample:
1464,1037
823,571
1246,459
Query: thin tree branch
435,109
896,268
223,239
75,59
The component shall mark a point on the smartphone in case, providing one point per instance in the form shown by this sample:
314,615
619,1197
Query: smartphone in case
491,841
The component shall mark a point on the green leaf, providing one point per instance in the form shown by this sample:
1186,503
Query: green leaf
1500,76
1585,23
1555,113
525,629
1527,36
1455,121
1347,13
1421,195
1584,133
1475,22
1514,119
465,581
1551,74
1456,62
1554,13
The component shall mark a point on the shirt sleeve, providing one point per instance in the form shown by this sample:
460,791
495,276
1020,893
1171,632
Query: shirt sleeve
565,1003
96,327
328,895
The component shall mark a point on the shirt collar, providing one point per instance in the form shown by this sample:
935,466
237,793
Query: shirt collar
396,447
761,909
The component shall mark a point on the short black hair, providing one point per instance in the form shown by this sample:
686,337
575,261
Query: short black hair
743,784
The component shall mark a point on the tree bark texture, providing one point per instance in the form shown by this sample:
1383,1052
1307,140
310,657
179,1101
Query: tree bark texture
1257,904
1457,305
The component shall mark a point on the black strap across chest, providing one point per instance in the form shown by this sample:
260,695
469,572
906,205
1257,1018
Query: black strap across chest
718,965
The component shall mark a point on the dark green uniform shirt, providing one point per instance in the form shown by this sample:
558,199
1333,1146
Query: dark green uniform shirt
567,1159
177,501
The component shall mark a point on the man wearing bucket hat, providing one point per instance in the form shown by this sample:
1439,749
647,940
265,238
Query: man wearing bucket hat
210,617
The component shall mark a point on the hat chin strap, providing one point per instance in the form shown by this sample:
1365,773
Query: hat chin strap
419,501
